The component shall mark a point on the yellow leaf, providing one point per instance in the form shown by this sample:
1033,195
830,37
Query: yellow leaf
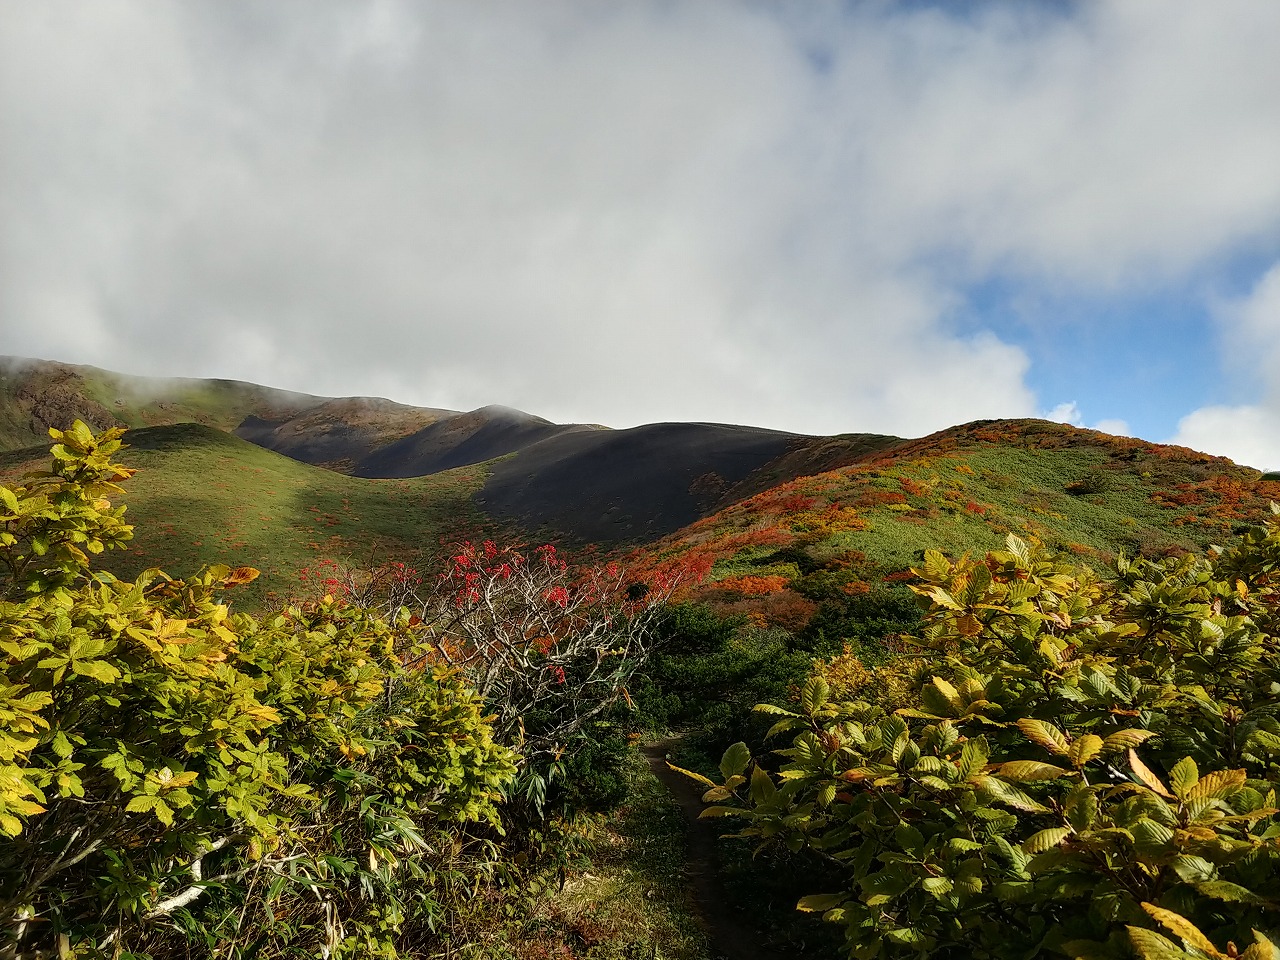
1025,770
182,780
1180,926
240,575
1219,783
1084,749
170,629
1146,776
1044,734
695,776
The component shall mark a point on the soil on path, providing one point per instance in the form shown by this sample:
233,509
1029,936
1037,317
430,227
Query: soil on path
732,935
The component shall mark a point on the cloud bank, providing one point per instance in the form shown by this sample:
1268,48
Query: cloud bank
770,214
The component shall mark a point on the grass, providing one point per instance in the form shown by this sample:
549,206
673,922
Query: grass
202,496
626,899
964,491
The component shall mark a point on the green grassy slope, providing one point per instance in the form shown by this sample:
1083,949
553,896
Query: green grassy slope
782,556
813,547
203,496
38,394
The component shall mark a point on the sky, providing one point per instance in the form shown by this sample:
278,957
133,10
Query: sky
813,216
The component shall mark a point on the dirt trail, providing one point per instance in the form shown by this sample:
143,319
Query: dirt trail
733,937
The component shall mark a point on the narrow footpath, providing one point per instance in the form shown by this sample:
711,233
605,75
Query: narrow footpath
732,935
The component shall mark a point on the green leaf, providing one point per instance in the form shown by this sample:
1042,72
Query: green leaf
722,812
1123,740
941,698
814,695
1183,777
735,760
1045,735
973,759
1232,893
1194,869
936,886
141,804
1046,839
98,670
909,838
1022,771
821,902
1008,794
763,789
163,812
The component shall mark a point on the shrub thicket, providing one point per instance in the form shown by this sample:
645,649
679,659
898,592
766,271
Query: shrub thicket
1068,765
177,777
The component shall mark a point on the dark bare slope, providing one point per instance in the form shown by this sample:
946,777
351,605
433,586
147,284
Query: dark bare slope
628,485
458,440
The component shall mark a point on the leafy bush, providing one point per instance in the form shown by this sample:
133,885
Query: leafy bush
708,672
175,775
1086,768
550,646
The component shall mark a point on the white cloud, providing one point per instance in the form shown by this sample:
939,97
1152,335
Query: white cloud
1247,433
619,212
1068,412
1117,428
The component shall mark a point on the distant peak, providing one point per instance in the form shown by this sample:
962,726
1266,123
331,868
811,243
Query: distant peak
496,411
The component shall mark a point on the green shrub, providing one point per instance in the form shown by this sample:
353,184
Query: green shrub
178,776
1088,767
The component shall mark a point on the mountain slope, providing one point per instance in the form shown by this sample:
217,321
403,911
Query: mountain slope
638,484
807,554
575,481
475,437
38,394
201,495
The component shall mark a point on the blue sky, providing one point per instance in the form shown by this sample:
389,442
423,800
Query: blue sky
818,216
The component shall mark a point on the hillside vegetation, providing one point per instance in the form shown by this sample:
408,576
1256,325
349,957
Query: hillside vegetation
802,561
179,777
811,550
202,493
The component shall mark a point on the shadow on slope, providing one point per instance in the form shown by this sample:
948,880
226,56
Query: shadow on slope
458,440
626,486
340,434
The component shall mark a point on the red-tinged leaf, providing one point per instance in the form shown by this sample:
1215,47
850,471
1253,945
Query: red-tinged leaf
240,575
